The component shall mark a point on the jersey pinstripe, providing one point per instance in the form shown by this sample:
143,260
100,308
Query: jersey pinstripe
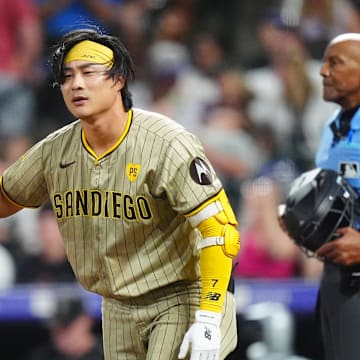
121,216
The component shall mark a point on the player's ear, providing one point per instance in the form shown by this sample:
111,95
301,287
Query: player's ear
119,83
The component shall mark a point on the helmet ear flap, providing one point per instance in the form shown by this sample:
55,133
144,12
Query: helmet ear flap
319,202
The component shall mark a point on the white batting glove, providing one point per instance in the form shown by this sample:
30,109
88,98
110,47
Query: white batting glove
204,337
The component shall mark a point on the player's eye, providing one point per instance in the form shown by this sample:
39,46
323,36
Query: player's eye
89,72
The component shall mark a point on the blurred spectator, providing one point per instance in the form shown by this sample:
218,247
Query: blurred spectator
19,237
130,19
124,17
260,198
191,86
231,149
266,251
288,93
168,56
20,48
266,140
61,16
72,335
353,23
8,269
166,61
174,23
234,92
18,234
199,88
316,23
220,18
321,20
345,17
51,264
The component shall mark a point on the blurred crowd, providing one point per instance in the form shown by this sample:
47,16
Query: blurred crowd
242,75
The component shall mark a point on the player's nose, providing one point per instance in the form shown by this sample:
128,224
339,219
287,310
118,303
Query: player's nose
77,81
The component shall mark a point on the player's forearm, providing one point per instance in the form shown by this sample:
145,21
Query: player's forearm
215,269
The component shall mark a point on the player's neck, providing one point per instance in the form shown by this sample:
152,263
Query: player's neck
103,133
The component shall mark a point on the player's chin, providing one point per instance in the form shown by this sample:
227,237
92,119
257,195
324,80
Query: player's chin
80,113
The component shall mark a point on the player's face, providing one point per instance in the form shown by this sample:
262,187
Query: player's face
88,91
341,73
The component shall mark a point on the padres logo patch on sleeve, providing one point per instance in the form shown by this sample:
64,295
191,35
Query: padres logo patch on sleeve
200,172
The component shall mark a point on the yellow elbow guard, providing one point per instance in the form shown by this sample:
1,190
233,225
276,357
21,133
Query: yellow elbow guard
217,223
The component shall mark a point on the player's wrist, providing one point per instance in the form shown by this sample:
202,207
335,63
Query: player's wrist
208,317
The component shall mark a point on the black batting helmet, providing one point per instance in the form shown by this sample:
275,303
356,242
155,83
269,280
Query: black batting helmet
319,202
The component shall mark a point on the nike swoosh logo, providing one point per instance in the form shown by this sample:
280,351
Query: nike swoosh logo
65,165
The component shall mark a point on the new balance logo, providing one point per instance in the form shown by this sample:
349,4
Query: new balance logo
212,296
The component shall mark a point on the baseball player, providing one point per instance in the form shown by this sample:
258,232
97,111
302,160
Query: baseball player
145,220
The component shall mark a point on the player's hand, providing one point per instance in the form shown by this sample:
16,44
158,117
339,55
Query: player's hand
203,336
345,250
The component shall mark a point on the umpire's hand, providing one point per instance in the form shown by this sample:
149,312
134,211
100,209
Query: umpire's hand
203,336
344,250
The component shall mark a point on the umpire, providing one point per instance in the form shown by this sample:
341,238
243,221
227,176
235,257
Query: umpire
339,150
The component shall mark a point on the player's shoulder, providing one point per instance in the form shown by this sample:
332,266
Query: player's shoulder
64,132
157,124
162,129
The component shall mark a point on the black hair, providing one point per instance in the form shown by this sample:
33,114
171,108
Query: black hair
122,64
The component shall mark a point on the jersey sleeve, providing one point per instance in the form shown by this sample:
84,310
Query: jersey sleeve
186,175
23,182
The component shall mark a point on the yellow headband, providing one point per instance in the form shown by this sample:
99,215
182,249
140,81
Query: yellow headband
90,51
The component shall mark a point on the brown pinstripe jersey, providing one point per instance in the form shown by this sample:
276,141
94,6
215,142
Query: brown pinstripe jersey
121,216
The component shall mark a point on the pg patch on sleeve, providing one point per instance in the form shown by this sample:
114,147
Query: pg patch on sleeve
200,172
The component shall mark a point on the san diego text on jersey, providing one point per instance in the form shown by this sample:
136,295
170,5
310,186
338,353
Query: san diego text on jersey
103,203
